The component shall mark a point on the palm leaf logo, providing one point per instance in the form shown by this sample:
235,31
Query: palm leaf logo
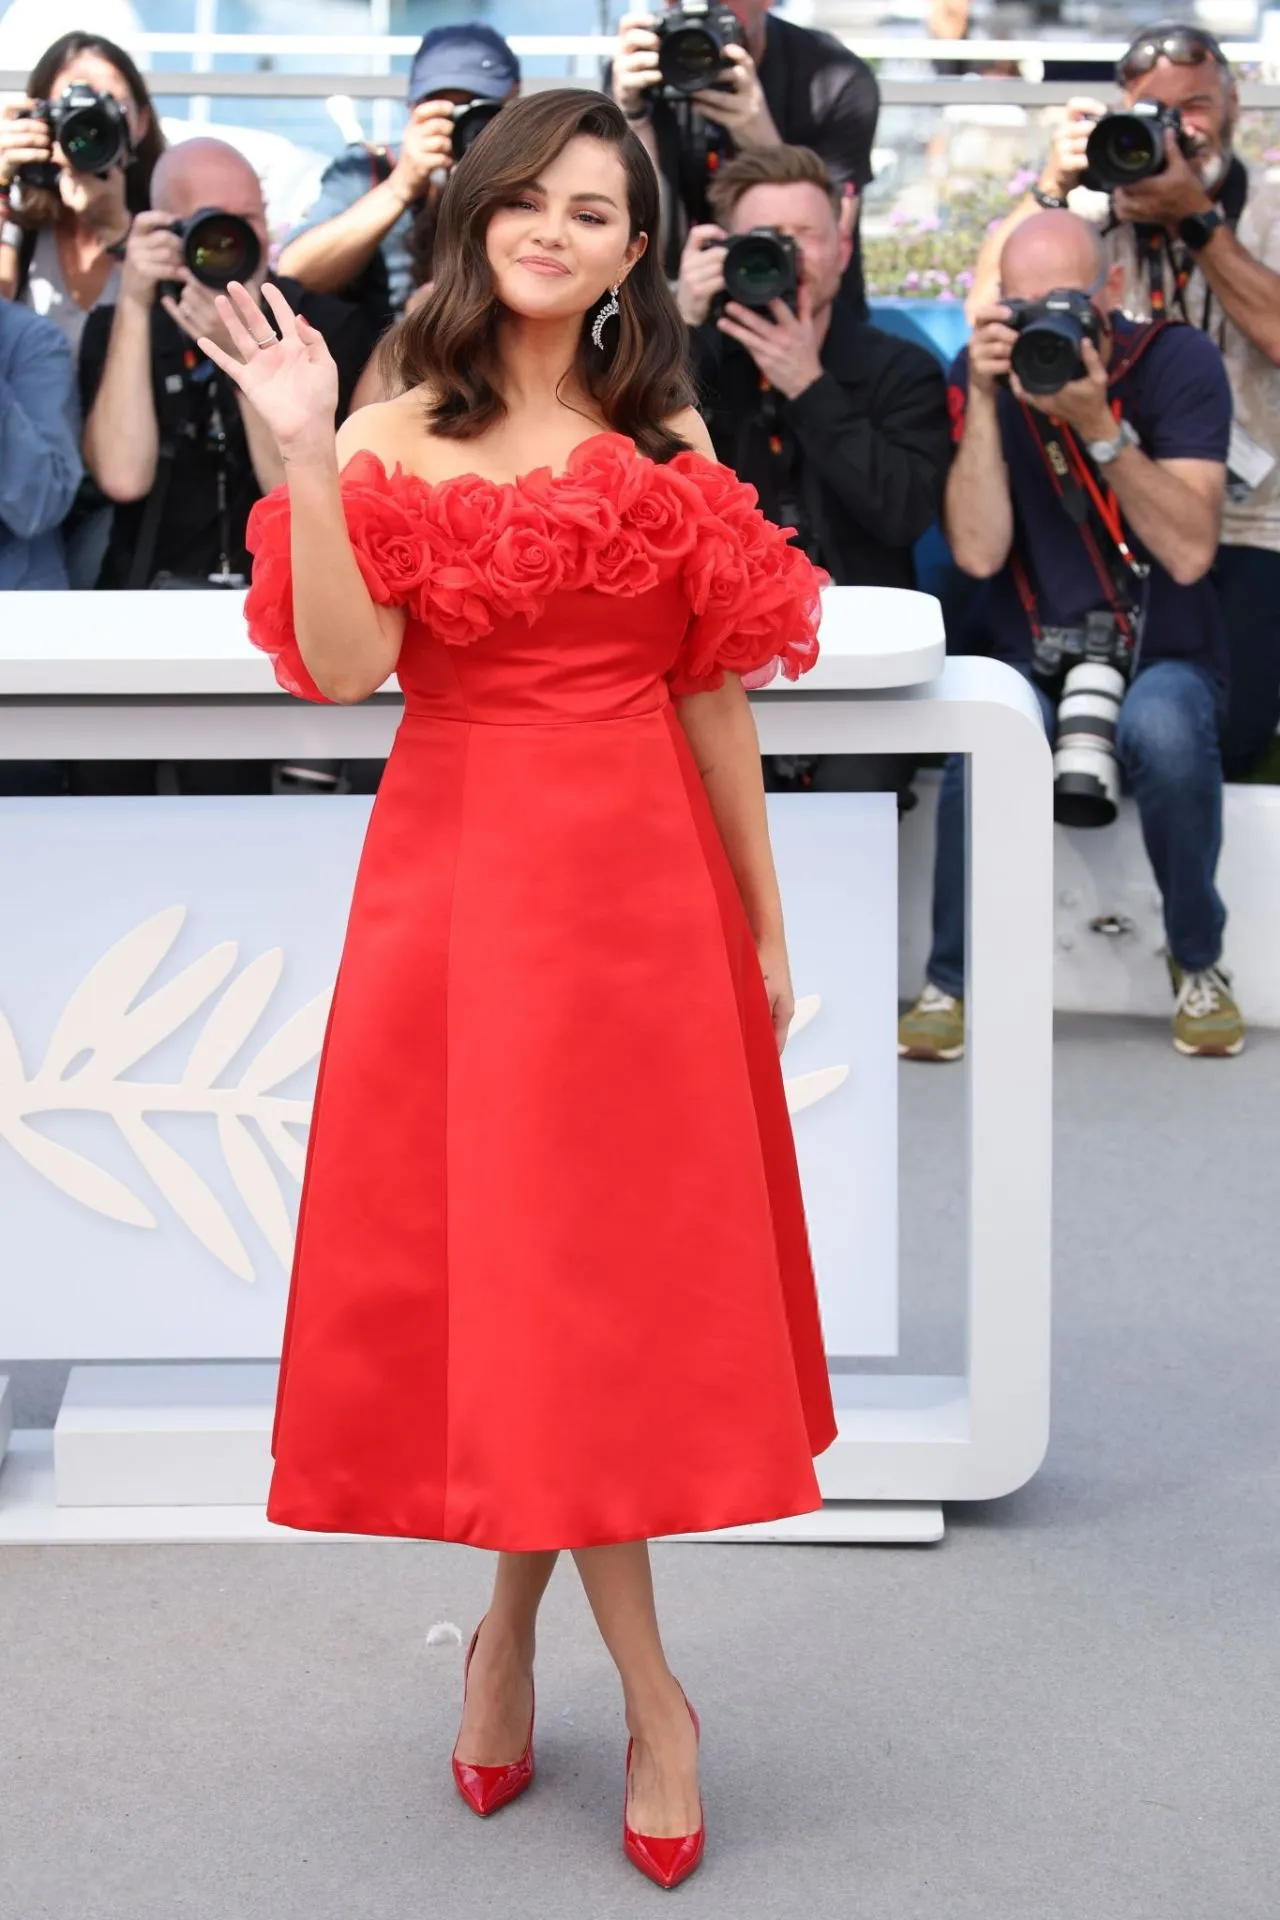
804,1089
102,1032
105,1029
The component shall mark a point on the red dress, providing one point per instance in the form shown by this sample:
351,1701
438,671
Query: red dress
551,1282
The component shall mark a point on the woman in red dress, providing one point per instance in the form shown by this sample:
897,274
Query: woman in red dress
551,1285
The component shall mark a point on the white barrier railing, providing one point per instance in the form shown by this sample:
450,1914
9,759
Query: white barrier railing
871,47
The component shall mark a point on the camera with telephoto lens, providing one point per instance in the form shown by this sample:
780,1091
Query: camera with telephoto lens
218,247
1128,146
470,118
692,38
1046,355
1087,668
91,128
759,266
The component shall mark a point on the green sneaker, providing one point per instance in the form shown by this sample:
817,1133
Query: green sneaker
1206,1020
934,1028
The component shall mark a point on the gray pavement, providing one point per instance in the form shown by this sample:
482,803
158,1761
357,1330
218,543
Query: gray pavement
1068,1711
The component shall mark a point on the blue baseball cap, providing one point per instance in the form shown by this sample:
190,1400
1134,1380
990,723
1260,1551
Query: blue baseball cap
469,58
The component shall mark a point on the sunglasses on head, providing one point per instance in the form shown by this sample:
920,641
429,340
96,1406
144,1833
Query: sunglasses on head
1183,46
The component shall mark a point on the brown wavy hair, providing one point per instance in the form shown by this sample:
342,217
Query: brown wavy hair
450,342
40,207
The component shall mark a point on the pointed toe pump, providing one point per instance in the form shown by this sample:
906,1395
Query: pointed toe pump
667,1860
485,1789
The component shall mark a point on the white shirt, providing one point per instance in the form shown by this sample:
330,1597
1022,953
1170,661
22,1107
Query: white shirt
46,291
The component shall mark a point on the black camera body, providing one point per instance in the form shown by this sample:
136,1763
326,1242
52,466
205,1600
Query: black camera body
1099,641
692,37
470,118
1128,146
760,265
91,128
1046,355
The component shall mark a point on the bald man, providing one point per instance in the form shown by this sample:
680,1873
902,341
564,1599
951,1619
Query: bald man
1040,487
174,444
148,391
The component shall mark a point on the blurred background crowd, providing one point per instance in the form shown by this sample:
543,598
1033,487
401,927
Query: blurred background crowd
983,297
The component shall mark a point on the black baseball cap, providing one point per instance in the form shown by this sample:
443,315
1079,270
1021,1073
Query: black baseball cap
468,58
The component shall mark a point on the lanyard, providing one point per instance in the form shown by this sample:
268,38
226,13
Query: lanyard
1095,512
218,444
1155,248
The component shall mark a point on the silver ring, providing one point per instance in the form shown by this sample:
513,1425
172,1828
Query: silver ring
272,342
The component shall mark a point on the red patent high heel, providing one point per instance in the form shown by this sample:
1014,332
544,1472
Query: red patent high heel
485,1789
666,1860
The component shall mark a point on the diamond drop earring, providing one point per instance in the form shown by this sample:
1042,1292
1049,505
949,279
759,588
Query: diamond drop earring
606,312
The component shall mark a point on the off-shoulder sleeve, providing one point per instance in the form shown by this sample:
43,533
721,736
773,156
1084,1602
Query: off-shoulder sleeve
387,544
754,598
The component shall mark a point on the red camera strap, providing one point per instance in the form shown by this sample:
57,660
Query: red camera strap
1118,569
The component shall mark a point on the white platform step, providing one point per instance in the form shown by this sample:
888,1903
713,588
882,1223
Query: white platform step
182,1452
189,1435
30,1516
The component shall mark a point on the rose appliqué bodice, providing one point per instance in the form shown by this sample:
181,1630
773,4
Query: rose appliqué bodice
594,593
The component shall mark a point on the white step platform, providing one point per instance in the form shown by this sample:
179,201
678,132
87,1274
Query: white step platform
30,1516
186,1436
182,1453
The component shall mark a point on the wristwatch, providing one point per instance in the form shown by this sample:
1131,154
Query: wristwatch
1103,452
1197,228
1054,202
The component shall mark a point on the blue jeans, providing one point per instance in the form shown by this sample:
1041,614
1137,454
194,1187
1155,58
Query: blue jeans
1167,743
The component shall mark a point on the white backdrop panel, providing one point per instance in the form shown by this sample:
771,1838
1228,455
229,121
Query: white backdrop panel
154,1095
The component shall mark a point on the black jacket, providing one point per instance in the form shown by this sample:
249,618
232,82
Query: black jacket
862,454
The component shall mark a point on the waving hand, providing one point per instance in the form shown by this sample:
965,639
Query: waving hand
290,379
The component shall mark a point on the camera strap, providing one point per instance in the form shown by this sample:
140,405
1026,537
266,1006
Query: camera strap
794,489
222,467
690,149
1095,512
173,415
1156,247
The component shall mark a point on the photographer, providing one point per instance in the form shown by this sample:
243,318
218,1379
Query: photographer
62,226
841,429
177,446
370,233
1197,234
774,84
1086,491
